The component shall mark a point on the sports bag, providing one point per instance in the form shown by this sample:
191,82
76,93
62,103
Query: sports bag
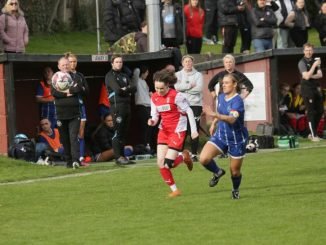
23,148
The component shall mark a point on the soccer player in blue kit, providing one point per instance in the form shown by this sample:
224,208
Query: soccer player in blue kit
230,135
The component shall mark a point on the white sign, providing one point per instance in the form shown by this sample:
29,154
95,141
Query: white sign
255,103
100,58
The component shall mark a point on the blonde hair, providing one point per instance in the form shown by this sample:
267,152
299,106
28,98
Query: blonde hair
7,10
230,57
70,55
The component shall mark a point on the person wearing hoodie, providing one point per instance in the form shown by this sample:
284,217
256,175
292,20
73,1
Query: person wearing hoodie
190,83
13,28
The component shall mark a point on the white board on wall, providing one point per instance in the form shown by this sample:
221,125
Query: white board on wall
255,103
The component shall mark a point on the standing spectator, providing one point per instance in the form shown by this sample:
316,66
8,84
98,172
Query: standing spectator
172,107
83,118
298,22
13,28
245,86
311,72
195,17
230,136
45,98
120,18
143,104
245,28
211,22
171,24
190,83
120,89
68,114
228,21
320,24
263,20
141,38
283,33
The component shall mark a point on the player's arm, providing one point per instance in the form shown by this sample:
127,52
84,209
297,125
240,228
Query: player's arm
154,115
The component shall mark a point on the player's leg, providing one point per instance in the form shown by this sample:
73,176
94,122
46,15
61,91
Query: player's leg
209,151
236,176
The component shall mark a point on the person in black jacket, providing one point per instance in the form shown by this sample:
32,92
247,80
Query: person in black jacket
245,84
121,17
228,21
263,20
120,89
68,115
320,24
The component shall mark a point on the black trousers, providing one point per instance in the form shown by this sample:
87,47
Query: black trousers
194,45
68,130
211,25
315,110
121,113
299,36
230,38
197,110
245,34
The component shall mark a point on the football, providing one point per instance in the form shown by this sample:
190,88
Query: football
61,81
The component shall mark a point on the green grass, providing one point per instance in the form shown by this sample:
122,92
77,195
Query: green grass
86,43
282,202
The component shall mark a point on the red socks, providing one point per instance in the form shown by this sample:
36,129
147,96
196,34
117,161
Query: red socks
177,161
167,176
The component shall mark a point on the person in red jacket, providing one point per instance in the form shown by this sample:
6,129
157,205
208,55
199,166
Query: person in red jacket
195,18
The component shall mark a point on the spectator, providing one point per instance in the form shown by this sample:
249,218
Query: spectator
263,20
283,107
102,143
244,83
245,29
48,144
13,28
211,22
141,38
190,84
320,24
143,104
120,89
120,18
68,114
298,22
297,111
195,17
45,98
171,107
310,71
171,24
103,101
283,33
228,21
72,58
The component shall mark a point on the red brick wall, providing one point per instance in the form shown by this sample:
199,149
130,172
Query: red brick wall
3,114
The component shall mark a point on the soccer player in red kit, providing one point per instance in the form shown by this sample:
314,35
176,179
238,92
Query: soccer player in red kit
173,108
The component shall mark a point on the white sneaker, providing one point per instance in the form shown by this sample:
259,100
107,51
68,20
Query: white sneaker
40,161
315,139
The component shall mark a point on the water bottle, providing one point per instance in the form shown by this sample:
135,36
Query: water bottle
148,148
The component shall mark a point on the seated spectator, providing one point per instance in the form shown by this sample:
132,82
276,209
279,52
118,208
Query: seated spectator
104,145
320,24
283,107
103,102
45,98
48,143
296,111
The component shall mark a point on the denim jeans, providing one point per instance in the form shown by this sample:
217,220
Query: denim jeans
261,45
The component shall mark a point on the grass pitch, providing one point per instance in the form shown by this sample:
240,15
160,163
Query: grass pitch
282,202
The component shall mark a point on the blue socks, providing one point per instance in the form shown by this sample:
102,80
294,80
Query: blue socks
212,167
236,181
81,147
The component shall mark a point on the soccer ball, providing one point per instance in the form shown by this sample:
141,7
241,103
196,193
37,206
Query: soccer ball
61,81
